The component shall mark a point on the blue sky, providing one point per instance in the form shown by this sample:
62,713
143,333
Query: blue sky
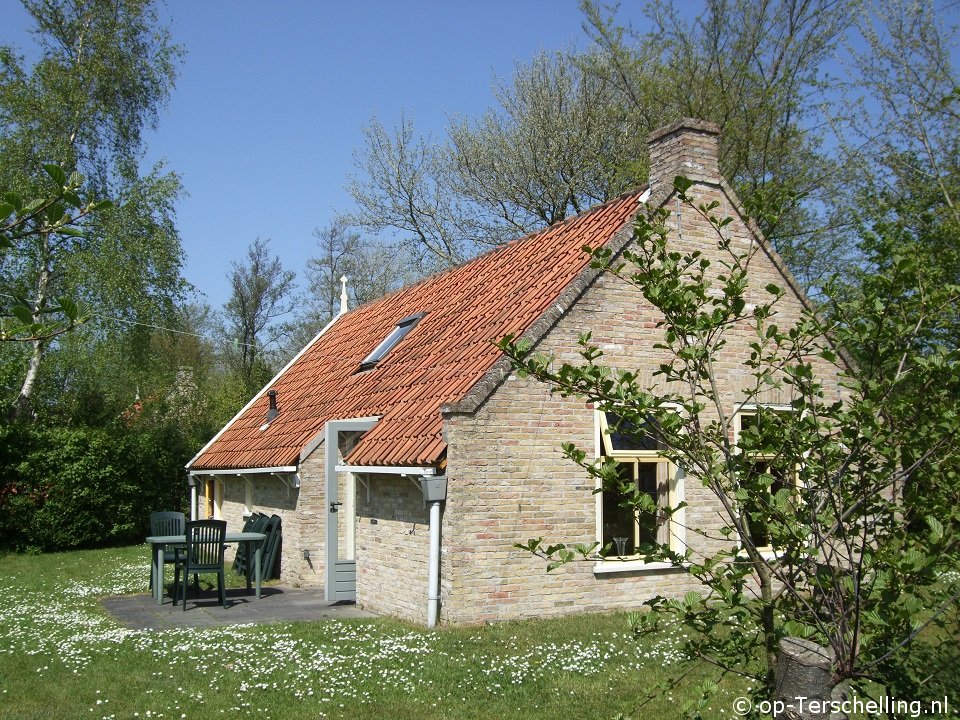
272,98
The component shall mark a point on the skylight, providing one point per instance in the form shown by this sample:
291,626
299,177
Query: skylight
388,343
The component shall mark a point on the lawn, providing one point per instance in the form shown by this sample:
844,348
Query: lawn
61,656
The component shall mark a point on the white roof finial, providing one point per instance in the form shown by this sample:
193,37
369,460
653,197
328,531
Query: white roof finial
343,295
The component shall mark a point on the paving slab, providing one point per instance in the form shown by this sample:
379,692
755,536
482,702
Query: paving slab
276,604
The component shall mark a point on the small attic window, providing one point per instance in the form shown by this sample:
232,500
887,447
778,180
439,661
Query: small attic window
388,343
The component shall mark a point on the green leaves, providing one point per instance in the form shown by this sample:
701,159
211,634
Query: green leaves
23,314
56,173
46,221
837,488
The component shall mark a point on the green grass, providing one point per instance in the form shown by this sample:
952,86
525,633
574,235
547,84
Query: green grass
61,656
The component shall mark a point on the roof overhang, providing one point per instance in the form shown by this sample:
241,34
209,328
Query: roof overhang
247,471
387,469
260,394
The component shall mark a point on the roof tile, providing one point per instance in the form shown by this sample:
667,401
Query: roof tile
503,291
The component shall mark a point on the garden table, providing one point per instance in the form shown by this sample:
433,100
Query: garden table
158,543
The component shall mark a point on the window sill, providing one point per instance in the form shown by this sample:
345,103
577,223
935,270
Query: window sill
606,567
766,553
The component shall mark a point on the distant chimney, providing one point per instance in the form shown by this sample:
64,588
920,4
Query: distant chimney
686,147
272,412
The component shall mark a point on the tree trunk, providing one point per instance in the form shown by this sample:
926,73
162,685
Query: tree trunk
805,671
767,620
21,410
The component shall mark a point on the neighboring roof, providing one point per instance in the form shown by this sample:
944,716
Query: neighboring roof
503,291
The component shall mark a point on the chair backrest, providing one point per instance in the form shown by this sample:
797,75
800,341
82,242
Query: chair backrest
270,546
251,520
257,522
166,523
205,544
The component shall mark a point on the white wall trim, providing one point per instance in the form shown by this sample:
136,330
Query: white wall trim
246,471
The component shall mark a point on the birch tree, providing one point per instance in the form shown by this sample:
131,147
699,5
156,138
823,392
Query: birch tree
104,70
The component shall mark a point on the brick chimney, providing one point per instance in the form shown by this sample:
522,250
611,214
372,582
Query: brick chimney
685,147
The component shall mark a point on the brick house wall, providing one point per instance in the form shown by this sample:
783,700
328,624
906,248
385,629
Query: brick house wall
392,547
507,479
301,511
391,533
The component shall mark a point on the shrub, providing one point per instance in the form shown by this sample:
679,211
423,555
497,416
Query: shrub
65,488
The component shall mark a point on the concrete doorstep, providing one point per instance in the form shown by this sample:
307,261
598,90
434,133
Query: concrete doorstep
276,604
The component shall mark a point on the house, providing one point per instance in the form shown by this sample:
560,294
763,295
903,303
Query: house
406,458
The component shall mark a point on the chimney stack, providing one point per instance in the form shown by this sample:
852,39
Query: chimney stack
272,412
686,147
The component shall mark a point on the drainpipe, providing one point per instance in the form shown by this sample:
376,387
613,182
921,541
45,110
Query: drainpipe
192,482
434,492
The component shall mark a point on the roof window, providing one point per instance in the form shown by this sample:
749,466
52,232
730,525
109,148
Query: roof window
388,343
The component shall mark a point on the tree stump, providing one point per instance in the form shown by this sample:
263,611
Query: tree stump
804,670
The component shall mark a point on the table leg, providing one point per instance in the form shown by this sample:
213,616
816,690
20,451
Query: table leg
259,560
158,573
246,571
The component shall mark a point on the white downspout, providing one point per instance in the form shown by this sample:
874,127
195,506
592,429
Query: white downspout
433,571
434,492
192,481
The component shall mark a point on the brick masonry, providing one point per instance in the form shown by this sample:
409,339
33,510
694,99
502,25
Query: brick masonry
508,481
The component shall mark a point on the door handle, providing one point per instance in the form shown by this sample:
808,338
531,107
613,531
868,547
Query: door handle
334,506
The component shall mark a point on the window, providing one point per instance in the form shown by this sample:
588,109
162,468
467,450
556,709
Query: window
390,341
642,470
760,434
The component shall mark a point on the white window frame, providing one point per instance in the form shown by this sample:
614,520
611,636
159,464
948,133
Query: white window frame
675,530
751,409
393,338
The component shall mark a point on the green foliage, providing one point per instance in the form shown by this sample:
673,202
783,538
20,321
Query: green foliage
65,488
867,535
101,73
56,215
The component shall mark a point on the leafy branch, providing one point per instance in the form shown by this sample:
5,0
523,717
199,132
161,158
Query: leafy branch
58,214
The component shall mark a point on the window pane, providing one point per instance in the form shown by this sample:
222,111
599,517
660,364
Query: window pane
387,344
626,435
618,519
765,429
647,522
759,514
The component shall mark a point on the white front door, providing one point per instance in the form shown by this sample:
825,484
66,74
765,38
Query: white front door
341,565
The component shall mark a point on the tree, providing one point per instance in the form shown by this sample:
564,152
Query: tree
104,69
54,219
755,69
901,129
555,145
861,513
261,295
569,131
372,270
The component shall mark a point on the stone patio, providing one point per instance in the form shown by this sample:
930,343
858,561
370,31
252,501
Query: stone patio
276,604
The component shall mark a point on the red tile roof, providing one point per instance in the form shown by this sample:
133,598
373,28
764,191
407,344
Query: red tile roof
447,352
